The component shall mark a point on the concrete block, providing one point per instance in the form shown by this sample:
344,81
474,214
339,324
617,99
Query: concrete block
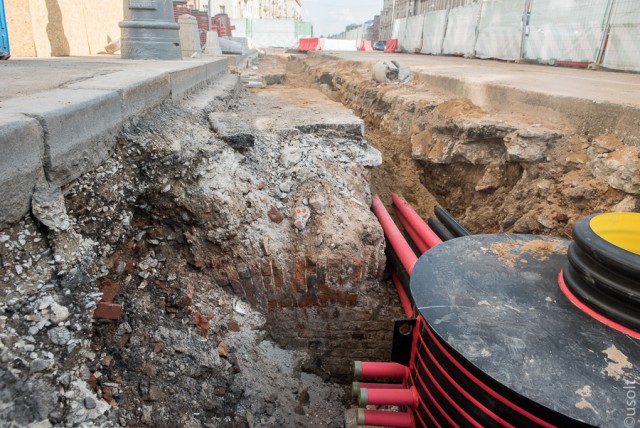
232,130
380,70
213,44
21,153
189,37
80,126
139,90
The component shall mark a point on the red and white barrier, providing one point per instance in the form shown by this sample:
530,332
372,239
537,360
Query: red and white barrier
309,44
392,46
366,46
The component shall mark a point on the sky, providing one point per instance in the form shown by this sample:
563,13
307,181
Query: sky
331,16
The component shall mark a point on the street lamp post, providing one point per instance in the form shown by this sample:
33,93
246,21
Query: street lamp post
149,31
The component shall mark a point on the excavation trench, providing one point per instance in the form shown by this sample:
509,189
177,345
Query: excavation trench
223,268
496,172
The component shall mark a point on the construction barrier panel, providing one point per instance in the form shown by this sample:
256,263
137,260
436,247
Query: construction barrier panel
397,25
310,44
568,30
338,45
435,25
412,40
366,45
392,46
460,36
623,47
500,29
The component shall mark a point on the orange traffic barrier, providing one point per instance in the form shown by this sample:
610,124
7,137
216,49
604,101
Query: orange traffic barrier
392,46
310,44
366,45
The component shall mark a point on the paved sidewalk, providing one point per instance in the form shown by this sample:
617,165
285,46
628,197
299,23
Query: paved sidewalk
59,116
595,102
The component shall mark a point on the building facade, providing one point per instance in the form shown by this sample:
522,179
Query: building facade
397,9
254,9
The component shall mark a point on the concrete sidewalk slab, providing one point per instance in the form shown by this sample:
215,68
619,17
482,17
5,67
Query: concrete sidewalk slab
594,102
59,116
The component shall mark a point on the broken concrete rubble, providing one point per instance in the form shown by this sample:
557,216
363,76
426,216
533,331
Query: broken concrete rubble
390,71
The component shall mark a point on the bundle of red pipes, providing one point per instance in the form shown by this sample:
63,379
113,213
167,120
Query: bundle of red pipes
424,238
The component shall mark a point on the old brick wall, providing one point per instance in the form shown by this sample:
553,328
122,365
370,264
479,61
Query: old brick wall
340,310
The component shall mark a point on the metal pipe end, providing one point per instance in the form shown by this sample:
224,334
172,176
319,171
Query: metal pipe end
357,369
360,417
355,390
364,397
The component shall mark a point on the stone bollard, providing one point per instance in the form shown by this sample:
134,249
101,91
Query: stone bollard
149,31
189,36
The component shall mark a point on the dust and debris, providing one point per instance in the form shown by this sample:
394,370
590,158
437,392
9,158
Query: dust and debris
584,392
584,404
617,363
512,308
483,303
511,252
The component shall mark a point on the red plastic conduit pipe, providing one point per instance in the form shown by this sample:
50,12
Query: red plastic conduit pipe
413,234
364,369
417,223
404,300
389,397
356,386
391,231
378,418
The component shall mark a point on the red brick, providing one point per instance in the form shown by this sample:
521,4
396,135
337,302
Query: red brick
267,283
236,285
275,215
92,381
109,289
299,276
233,326
266,268
123,340
106,393
278,277
108,311
202,322
356,274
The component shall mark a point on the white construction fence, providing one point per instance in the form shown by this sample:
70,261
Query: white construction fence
271,33
577,32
